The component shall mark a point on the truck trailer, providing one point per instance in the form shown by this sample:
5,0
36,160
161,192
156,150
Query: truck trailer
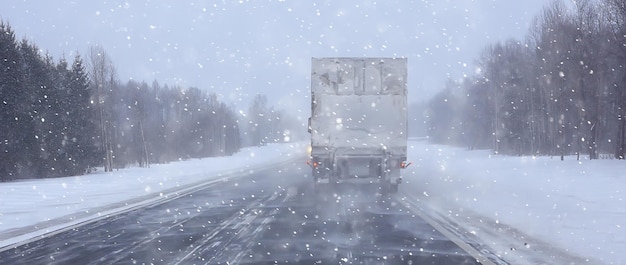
358,122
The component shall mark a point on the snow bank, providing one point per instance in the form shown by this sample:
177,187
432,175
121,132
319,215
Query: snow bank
576,206
31,202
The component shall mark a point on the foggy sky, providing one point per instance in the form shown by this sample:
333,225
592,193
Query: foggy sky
240,48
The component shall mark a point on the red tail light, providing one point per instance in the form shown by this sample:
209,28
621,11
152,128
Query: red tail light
312,163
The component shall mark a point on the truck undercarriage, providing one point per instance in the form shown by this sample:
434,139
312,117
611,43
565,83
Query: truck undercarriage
358,166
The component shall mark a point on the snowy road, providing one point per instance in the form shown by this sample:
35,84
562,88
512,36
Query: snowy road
264,217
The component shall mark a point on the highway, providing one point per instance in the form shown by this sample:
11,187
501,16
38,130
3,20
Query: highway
271,216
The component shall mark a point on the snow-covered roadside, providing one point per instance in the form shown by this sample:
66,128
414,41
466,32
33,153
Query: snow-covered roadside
31,202
577,207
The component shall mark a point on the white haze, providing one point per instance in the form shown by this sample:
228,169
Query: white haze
241,48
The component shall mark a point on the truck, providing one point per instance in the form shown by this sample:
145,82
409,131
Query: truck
358,121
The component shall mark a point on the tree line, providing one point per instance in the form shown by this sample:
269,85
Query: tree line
44,112
560,91
60,118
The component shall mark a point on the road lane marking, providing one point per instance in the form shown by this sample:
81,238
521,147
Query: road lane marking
451,236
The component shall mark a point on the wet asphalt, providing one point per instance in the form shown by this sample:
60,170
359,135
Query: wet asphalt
273,216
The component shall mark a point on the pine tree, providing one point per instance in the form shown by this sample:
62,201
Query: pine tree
10,77
81,128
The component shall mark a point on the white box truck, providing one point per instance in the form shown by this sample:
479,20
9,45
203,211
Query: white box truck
358,121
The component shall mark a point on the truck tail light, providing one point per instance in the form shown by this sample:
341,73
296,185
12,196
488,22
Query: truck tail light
313,164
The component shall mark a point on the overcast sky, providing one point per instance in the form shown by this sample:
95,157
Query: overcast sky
240,48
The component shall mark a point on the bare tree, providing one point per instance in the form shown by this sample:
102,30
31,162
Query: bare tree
552,33
102,74
258,124
588,72
505,71
615,12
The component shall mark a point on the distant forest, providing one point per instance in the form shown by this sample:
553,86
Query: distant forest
60,118
560,91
